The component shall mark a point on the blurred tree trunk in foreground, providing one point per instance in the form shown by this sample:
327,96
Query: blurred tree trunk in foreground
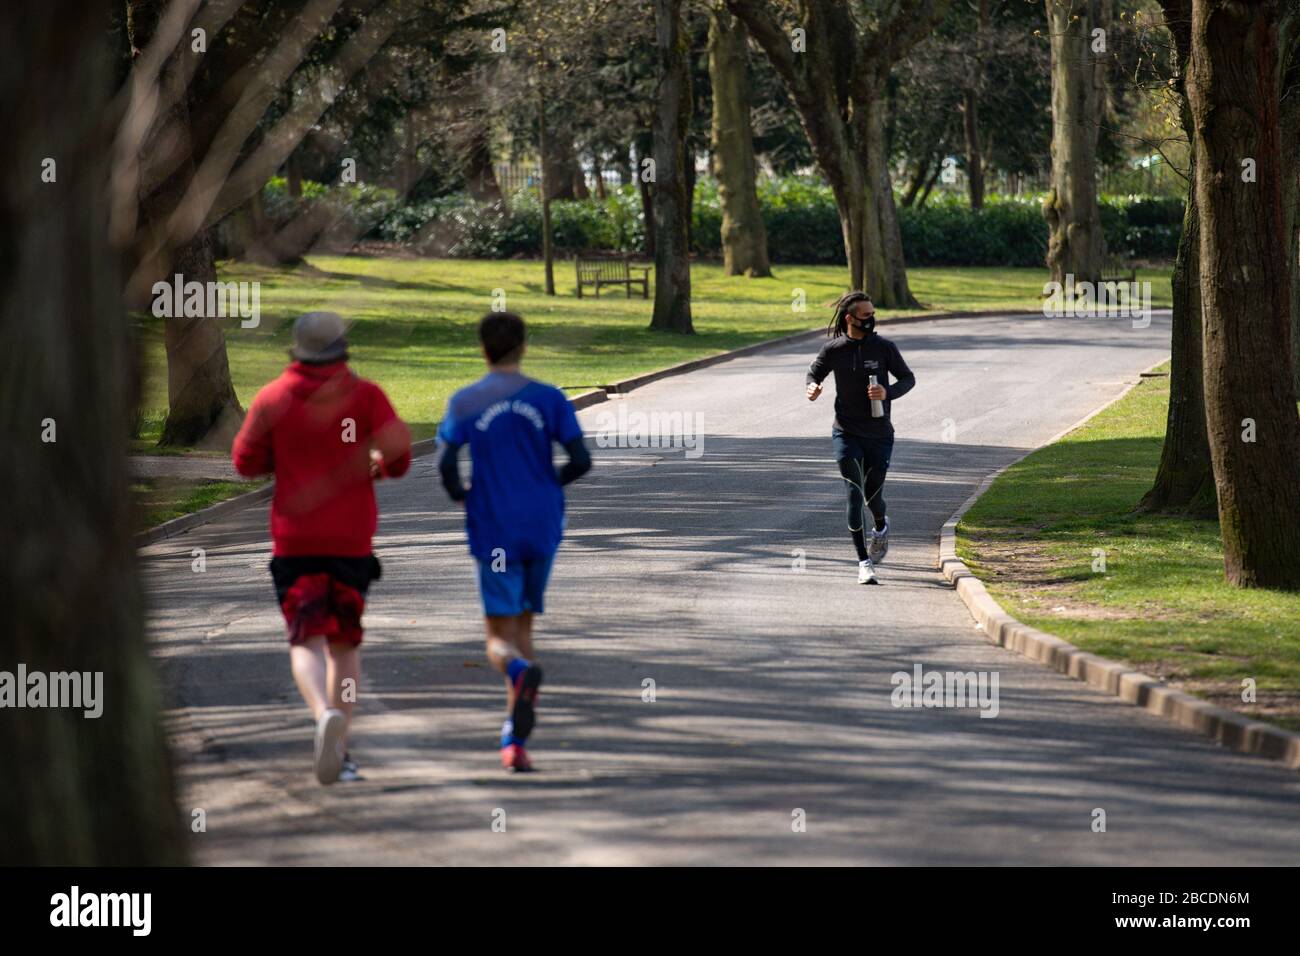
77,790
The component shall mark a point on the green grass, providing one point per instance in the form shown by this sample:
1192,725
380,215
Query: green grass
414,322
1162,604
161,499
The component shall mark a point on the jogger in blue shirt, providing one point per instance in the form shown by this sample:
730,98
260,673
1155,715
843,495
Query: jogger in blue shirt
514,506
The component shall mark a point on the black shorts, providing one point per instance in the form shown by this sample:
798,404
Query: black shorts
356,573
874,452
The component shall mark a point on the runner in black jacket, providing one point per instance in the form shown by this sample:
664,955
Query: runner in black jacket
862,443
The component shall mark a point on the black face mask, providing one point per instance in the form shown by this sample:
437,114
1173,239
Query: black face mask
866,325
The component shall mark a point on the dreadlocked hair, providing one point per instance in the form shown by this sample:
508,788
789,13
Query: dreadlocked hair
839,324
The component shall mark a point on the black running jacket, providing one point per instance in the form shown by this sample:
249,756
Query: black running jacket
854,361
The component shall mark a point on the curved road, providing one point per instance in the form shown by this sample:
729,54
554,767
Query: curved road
772,689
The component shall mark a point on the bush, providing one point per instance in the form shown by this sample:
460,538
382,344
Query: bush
799,214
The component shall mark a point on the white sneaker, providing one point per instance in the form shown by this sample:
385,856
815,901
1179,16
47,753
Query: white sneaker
879,546
866,573
329,745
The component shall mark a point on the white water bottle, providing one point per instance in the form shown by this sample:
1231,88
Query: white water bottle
877,406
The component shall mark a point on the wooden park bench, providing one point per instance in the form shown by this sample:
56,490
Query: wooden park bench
612,270
1115,269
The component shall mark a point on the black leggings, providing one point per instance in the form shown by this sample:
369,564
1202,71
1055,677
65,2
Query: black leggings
864,480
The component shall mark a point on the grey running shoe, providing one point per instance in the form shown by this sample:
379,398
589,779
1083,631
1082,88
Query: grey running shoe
879,546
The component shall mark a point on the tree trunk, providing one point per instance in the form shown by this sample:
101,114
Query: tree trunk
202,406
971,114
562,163
917,179
1289,86
1250,396
865,200
1074,245
78,791
929,184
1184,482
672,310
293,175
644,149
744,238
480,175
548,250
839,92
974,157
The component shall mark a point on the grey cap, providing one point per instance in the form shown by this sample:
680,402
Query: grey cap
319,337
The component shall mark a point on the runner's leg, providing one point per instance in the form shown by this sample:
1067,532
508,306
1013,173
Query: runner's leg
344,663
876,466
307,661
851,470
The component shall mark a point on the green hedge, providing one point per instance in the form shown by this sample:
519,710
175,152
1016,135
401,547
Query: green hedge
799,214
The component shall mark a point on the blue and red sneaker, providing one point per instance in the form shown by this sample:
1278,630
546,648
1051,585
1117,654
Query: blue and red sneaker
527,684
515,759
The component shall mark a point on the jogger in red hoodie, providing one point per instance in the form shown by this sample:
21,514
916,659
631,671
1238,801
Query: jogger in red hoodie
327,435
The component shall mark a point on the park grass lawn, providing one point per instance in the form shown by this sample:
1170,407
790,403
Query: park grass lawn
414,322
161,499
1161,605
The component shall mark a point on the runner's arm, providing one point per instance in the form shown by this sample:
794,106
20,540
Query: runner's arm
251,452
391,438
818,369
904,379
579,462
449,469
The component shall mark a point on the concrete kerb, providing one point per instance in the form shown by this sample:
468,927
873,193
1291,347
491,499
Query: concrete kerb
1227,727
169,529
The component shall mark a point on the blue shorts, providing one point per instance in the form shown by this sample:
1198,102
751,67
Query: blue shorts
518,587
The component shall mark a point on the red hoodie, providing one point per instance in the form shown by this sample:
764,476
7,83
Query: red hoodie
314,427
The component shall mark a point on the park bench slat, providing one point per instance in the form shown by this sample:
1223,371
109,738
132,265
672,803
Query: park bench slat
597,271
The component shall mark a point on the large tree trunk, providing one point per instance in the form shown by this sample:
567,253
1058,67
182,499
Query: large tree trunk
672,311
896,291
744,238
1250,396
1074,245
855,165
202,406
1289,87
78,790
1184,482
839,91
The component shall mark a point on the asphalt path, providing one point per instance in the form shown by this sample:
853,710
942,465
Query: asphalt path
723,574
